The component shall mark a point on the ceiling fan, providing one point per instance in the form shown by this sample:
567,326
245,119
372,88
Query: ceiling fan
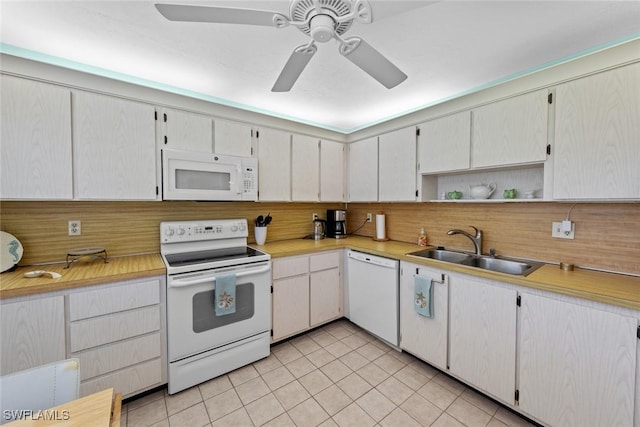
322,20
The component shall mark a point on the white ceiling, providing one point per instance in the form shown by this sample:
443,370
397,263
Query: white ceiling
447,49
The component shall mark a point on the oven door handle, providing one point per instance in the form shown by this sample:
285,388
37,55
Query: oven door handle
178,283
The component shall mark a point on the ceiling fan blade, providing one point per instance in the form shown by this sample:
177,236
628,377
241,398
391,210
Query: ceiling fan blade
372,62
221,15
294,67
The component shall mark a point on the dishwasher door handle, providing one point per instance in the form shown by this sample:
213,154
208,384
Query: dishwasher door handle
370,259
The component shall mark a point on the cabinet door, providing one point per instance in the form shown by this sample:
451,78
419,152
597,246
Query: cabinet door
290,306
331,171
482,340
444,145
33,333
424,337
363,170
397,166
187,131
305,169
232,138
510,132
36,140
114,148
597,130
325,296
577,364
274,165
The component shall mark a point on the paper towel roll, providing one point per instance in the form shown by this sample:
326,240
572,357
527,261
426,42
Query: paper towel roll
381,233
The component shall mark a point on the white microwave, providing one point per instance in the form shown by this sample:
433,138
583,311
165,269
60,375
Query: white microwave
188,175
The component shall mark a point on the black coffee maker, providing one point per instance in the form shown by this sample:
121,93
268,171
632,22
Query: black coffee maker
336,223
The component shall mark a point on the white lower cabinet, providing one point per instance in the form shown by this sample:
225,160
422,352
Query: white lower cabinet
424,337
32,333
307,292
560,360
482,335
577,365
118,333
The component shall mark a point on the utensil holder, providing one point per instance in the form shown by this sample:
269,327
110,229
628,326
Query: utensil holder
260,234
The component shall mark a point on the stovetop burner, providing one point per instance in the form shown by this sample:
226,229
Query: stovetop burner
212,255
188,246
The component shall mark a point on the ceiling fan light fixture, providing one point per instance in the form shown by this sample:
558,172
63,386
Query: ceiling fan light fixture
322,28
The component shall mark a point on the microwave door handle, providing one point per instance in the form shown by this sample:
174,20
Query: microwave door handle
239,180
178,283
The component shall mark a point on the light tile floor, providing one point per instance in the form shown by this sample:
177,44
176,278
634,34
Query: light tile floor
337,375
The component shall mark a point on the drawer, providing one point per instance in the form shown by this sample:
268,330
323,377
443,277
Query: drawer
122,354
324,261
129,381
291,266
114,327
83,305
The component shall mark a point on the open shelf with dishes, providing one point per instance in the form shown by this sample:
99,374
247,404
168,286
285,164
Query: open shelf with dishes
528,182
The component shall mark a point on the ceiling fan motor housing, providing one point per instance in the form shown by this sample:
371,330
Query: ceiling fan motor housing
322,28
320,23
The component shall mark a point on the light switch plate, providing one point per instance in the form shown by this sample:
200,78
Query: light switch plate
559,233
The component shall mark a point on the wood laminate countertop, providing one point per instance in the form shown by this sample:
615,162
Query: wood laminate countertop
80,273
616,289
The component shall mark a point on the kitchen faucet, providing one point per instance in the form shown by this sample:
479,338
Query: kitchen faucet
477,239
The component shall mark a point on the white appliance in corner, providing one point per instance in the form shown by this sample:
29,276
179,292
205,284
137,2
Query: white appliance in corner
373,284
190,175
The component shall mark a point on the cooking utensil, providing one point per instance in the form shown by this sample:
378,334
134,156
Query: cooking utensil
259,220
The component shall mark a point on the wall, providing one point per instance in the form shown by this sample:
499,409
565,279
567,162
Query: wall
607,236
126,228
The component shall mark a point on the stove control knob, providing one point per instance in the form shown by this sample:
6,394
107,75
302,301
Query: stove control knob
180,231
242,227
234,228
169,231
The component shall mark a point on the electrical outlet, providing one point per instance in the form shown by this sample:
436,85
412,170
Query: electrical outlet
315,216
75,228
558,232
369,217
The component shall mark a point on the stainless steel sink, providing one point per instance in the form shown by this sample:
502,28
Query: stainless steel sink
502,265
443,255
499,264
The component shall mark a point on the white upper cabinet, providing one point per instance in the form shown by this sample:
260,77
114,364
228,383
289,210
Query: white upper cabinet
363,170
444,144
397,166
305,169
509,132
36,140
597,136
332,171
274,165
232,138
114,148
182,130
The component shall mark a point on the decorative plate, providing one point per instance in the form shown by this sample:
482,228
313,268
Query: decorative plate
10,251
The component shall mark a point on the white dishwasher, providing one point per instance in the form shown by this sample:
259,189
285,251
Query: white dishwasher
374,294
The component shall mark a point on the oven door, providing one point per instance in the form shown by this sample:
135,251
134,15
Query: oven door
192,324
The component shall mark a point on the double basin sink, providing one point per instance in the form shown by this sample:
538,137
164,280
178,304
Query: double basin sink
498,264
